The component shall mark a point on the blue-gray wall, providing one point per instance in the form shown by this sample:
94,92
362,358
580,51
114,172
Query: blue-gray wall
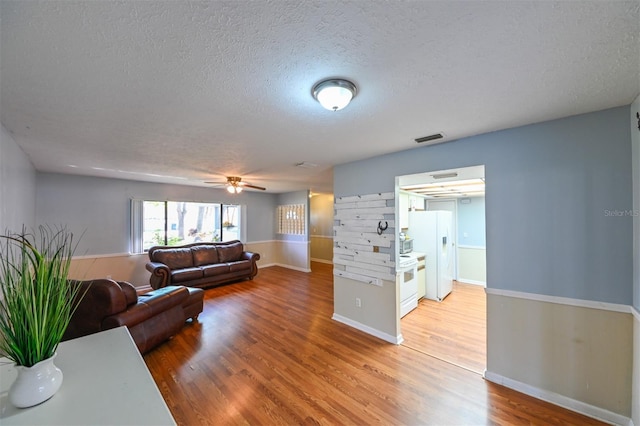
471,222
17,186
634,113
99,208
553,190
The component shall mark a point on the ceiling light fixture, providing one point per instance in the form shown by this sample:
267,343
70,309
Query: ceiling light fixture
233,185
334,94
234,189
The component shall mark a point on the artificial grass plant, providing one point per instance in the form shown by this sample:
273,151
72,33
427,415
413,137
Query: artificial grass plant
37,298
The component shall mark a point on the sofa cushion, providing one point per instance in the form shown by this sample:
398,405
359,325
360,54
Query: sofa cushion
230,252
186,274
204,255
213,270
175,258
241,265
164,298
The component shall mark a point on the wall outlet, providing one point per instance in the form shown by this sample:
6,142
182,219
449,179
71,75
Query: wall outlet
376,249
358,302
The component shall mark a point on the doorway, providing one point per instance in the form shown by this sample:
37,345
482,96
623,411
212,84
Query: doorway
454,329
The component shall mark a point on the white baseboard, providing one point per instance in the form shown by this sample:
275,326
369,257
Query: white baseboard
396,340
329,262
474,282
560,400
295,268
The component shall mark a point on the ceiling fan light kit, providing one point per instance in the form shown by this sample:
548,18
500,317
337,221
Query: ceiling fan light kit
334,93
234,189
235,185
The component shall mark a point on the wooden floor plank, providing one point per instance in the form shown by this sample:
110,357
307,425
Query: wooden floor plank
267,352
454,330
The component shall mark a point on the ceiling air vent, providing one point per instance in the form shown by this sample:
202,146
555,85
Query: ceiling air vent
430,138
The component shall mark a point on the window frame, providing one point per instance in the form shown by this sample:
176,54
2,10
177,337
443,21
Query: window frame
136,240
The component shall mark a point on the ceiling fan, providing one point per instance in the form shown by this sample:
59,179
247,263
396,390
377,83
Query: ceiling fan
235,185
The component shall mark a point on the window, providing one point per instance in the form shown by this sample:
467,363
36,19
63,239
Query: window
291,219
174,223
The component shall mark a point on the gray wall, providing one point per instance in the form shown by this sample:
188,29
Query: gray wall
552,192
100,208
471,222
635,142
17,186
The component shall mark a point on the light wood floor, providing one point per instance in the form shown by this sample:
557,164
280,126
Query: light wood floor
267,352
454,330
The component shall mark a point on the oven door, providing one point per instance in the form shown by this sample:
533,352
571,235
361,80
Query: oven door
408,281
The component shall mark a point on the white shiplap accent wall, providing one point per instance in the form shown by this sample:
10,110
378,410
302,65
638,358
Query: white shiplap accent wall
355,236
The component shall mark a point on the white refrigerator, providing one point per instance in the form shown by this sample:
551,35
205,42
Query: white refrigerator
431,234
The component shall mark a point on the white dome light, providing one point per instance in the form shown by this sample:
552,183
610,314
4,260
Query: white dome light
334,94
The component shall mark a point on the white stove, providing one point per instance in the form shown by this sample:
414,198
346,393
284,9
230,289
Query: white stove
408,282
406,261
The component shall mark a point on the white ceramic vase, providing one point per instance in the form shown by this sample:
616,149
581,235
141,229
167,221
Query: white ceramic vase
35,384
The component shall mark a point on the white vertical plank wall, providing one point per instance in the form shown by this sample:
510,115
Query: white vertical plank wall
356,235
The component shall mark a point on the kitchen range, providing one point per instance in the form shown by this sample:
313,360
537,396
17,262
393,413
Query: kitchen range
410,275
408,281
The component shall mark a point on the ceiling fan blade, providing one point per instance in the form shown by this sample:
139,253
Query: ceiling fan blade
236,181
248,185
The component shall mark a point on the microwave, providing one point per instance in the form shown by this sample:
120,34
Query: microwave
406,246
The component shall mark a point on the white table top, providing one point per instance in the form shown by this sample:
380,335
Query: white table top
105,382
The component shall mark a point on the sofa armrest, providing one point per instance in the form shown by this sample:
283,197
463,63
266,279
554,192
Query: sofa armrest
148,305
160,274
129,291
249,255
253,257
102,298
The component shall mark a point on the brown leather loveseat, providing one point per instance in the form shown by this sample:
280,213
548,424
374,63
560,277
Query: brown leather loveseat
203,264
151,318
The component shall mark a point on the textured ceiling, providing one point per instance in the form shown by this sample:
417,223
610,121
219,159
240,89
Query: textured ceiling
186,92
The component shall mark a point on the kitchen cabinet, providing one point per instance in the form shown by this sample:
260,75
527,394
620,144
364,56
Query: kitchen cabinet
416,202
408,202
403,207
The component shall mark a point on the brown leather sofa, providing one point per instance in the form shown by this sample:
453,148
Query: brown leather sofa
151,318
204,264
